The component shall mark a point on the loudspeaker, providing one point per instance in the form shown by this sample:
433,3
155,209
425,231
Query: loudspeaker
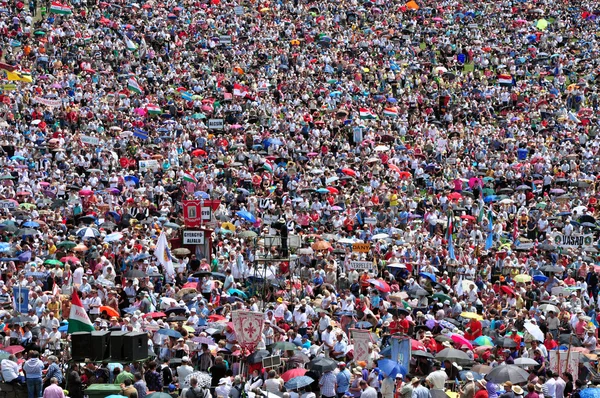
135,346
80,345
117,341
100,347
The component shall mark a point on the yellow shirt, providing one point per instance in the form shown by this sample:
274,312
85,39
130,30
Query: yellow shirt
393,200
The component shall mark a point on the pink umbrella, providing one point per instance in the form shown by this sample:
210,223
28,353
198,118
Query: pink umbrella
140,111
457,338
44,183
13,349
311,154
86,192
380,285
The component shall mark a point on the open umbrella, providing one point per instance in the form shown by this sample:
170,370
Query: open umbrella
457,338
298,382
293,373
322,364
526,362
169,332
453,355
283,345
483,341
503,373
246,215
535,331
110,311
380,285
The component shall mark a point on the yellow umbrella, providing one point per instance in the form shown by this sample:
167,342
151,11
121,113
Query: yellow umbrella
542,24
189,328
471,315
522,278
229,226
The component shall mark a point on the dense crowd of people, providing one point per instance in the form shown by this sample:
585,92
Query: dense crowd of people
429,170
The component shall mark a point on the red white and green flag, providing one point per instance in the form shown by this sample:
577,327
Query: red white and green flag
60,9
390,112
78,318
366,113
189,177
153,109
134,86
505,79
268,165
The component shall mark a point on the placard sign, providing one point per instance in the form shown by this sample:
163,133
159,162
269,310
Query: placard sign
239,10
564,361
193,237
86,139
361,265
215,124
361,247
7,204
573,240
225,39
150,164
370,220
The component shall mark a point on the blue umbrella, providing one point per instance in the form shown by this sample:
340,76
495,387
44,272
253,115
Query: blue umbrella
246,215
31,224
114,237
590,393
142,256
298,382
428,275
540,278
237,292
63,329
490,198
4,247
201,194
7,259
390,367
323,190
17,157
114,215
132,179
169,332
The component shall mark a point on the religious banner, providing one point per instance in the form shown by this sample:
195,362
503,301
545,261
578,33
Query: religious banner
401,351
564,361
248,327
361,338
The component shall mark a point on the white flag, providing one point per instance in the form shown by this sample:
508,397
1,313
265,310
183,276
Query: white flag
163,254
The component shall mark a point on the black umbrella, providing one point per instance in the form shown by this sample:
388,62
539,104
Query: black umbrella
422,354
135,273
506,342
569,339
442,338
176,311
552,268
257,356
587,218
452,321
322,364
202,274
503,373
398,311
453,355
86,220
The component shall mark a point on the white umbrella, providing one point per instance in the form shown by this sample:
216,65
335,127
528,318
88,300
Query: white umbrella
579,210
525,362
535,331
380,236
204,379
467,284
396,265
331,179
306,250
549,307
346,241
382,148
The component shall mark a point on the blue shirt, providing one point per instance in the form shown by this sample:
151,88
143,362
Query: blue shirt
343,381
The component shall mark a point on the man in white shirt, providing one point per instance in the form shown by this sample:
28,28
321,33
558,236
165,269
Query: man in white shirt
10,370
185,368
559,389
549,387
193,318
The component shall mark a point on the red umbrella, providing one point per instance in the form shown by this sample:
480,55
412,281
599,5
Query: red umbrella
72,259
13,349
191,285
457,338
155,315
23,193
110,311
216,318
404,175
416,345
199,152
455,196
349,172
467,217
290,374
333,190
380,285
394,167
507,290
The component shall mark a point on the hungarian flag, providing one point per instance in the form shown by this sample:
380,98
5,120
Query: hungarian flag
505,80
153,109
78,319
268,165
239,90
131,46
61,9
8,67
366,113
133,85
189,177
390,112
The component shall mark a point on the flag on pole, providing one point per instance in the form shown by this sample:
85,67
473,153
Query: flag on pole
189,177
60,9
489,242
268,165
78,318
139,133
186,96
367,114
449,236
131,46
163,254
134,86
19,76
505,80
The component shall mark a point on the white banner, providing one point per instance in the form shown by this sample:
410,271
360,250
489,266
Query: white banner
248,327
573,240
149,164
54,103
215,124
370,220
361,338
559,364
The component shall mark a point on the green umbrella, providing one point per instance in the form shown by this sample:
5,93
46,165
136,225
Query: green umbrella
283,345
542,24
541,205
39,33
7,177
67,244
27,206
198,116
171,225
441,297
53,262
247,234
